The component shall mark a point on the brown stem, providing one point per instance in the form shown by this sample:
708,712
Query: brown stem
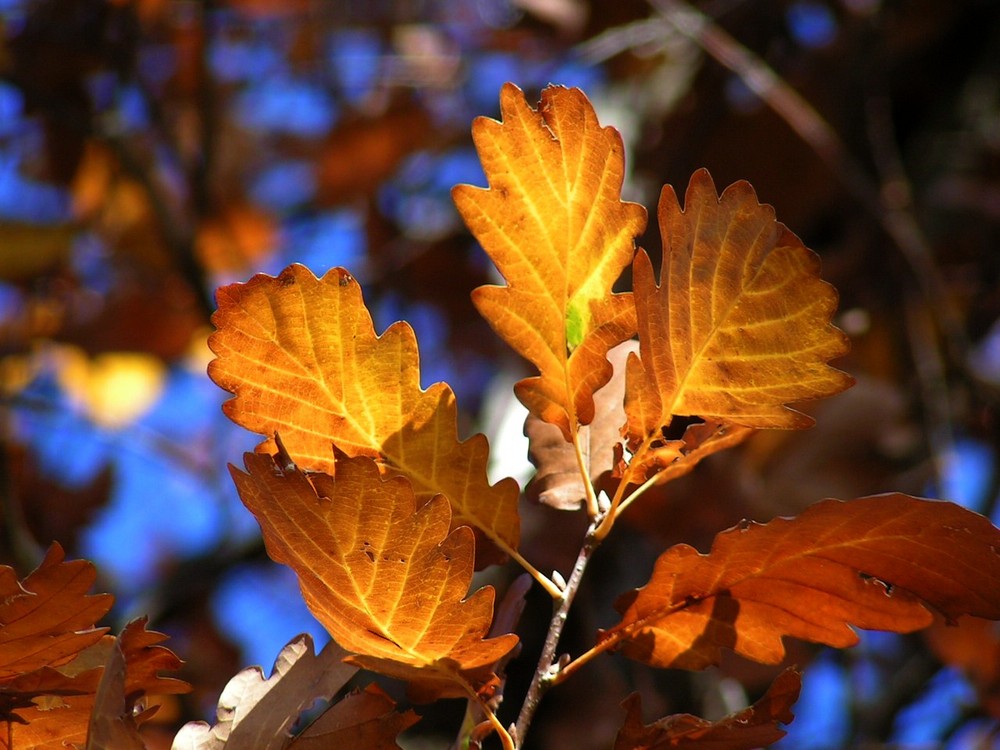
542,679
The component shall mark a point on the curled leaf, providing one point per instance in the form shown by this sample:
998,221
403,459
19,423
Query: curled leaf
750,728
256,713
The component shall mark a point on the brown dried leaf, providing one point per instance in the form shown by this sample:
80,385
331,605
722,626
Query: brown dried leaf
750,728
257,714
362,720
557,481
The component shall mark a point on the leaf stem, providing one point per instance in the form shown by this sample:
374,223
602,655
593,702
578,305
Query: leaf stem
598,649
608,521
546,583
505,739
546,669
584,467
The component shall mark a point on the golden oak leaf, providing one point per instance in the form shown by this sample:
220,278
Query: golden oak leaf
48,618
554,224
385,579
750,728
302,358
740,326
876,563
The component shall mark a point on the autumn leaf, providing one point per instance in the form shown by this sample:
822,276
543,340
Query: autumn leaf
875,563
750,728
256,713
48,618
302,358
363,719
54,658
554,224
740,326
112,726
387,581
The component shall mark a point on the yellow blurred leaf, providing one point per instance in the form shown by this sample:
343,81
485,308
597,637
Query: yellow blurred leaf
113,389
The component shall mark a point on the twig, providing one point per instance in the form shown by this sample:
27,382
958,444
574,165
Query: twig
547,661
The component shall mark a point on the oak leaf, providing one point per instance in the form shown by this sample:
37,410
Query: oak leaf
302,358
256,713
48,618
750,728
53,660
362,719
385,579
875,563
740,326
554,224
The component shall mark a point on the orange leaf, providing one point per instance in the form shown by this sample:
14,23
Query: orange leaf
870,563
750,728
53,657
386,580
48,618
741,325
302,357
554,224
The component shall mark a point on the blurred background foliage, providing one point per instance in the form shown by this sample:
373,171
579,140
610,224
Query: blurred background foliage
151,150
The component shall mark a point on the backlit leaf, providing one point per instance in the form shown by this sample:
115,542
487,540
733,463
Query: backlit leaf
875,563
740,326
302,358
750,728
387,581
554,224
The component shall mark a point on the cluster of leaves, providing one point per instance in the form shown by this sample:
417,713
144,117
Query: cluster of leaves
364,489
384,529
139,166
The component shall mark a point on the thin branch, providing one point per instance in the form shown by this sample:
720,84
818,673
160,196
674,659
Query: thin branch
547,663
